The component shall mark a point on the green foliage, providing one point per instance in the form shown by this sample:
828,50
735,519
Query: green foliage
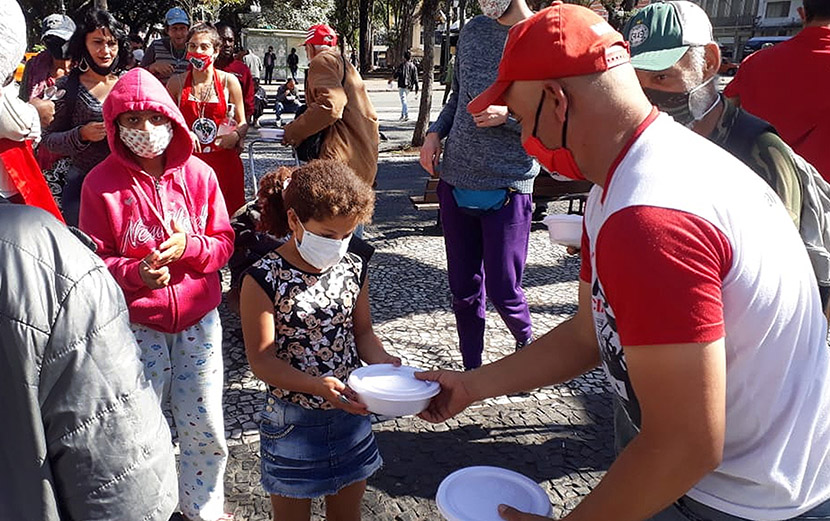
295,14
619,11
398,18
344,18
211,10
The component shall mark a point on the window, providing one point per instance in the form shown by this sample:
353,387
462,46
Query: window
778,9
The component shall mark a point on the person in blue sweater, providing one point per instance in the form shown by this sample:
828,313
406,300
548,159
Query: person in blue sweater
485,187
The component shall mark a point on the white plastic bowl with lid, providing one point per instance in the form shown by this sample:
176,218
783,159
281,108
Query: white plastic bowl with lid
392,391
271,133
475,493
564,229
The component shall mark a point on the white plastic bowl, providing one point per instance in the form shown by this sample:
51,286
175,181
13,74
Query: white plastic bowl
392,391
475,493
271,133
564,229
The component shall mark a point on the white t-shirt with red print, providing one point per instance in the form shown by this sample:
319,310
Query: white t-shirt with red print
686,244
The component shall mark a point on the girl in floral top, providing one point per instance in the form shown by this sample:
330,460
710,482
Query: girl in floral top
307,325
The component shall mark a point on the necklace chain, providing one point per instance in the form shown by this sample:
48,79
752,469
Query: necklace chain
203,98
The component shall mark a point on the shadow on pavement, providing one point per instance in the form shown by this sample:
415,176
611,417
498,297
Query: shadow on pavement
402,285
417,462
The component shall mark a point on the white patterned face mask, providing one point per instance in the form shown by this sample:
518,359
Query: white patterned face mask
494,8
147,143
321,252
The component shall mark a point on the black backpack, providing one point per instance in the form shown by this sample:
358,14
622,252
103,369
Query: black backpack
311,146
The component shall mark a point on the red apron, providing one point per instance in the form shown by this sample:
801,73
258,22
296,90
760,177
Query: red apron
225,162
19,161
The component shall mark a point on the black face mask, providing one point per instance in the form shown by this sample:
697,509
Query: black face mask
103,71
678,105
58,49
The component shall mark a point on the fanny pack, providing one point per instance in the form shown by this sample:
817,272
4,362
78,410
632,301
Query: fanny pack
481,201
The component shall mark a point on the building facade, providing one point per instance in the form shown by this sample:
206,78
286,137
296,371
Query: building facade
733,23
778,17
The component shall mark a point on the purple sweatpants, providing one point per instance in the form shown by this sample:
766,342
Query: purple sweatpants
486,258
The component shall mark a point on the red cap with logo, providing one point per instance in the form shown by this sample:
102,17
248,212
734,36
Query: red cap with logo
560,41
321,34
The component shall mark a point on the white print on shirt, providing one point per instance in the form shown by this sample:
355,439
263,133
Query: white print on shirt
610,348
138,233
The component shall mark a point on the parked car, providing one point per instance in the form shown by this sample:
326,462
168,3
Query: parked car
759,42
727,67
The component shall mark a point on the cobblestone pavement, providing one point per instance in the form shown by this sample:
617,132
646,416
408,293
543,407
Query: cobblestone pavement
561,437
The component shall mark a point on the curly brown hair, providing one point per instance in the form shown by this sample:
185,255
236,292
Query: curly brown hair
317,190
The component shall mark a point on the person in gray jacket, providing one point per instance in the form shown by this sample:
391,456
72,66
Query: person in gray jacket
84,437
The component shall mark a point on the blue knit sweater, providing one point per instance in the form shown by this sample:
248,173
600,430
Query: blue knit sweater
481,158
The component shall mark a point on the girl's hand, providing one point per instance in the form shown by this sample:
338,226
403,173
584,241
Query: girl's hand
228,141
340,396
386,358
492,116
431,153
173,248
197,145
153,277
93,131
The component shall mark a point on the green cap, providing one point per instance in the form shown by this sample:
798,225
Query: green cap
661,33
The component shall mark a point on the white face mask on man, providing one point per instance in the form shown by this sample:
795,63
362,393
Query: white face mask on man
321,252
147,143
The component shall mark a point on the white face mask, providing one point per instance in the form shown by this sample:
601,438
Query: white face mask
320,252
147,143
494,8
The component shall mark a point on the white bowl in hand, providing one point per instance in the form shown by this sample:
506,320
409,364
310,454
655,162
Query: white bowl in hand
564,229
392,391
271,133
475,493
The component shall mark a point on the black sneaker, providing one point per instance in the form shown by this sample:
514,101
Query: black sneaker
520,345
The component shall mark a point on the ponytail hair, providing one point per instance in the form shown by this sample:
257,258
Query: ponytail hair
317,190
274,219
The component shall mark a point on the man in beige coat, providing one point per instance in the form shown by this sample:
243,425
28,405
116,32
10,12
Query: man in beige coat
338,104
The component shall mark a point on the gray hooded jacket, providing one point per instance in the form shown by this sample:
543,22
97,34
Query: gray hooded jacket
84,437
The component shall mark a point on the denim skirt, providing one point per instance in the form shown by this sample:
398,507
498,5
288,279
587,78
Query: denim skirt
307,453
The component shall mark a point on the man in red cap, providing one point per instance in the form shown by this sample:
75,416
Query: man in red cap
338,105
695,296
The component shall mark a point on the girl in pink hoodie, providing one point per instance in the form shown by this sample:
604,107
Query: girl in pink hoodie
159,220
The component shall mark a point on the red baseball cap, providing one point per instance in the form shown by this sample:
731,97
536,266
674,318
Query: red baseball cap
321,34
560,41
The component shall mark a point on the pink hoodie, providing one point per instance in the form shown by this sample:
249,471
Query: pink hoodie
122,209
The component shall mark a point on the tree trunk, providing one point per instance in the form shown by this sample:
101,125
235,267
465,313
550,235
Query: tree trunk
428,22
445,47
365,37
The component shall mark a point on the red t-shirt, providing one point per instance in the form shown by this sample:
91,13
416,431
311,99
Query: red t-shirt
243,74
787,85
